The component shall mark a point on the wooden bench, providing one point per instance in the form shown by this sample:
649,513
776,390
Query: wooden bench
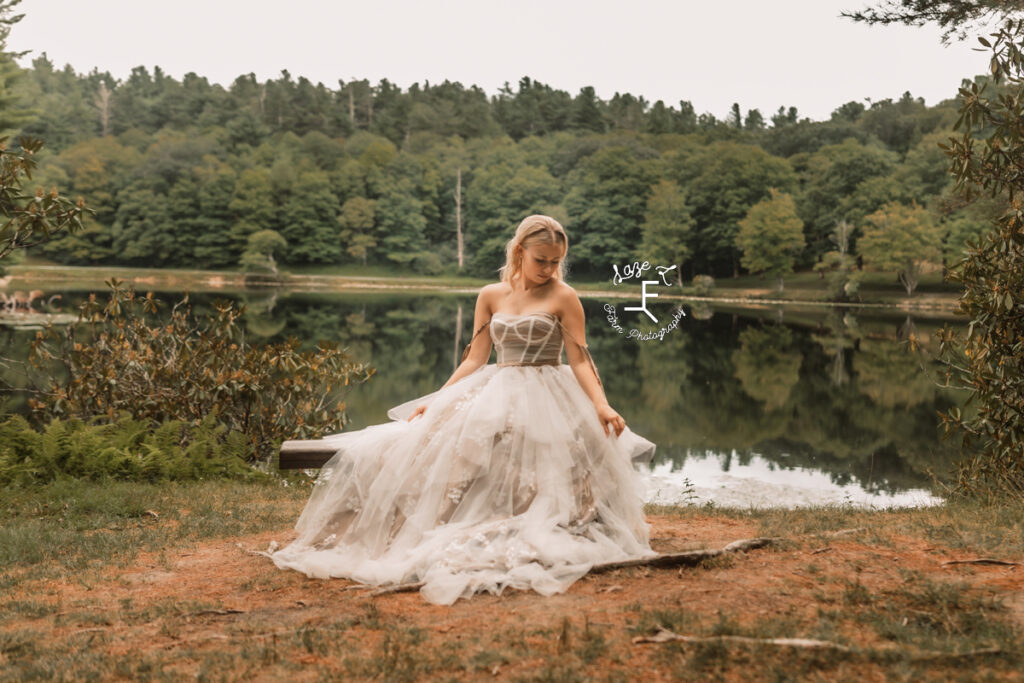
308,454
304,454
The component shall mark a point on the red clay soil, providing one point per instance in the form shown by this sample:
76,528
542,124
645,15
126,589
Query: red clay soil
236,593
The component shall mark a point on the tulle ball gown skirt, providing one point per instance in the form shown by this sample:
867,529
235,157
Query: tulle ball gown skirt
506,480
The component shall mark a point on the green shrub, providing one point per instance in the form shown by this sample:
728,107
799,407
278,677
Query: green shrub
117,360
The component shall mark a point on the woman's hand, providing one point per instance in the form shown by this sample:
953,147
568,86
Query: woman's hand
609,418
419,411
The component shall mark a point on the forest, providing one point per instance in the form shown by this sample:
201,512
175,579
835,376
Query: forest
189,173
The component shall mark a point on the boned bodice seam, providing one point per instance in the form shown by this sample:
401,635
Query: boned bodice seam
532,349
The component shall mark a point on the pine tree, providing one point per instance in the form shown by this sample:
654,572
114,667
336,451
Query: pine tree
12,114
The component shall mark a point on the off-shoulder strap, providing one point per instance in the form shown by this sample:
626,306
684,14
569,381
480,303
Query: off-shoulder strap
583,347
465,351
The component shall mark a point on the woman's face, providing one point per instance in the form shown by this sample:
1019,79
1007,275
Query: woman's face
540,261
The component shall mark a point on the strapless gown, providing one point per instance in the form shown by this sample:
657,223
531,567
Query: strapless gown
507,479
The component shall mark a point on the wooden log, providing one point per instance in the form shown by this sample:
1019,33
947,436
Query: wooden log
690,558
304,454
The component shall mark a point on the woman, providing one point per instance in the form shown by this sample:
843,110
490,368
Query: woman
512,474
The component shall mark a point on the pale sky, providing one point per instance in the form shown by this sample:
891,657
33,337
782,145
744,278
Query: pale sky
758,53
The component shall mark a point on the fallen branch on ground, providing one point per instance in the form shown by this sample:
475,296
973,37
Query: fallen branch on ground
690,558
397,588
216,612
665,636
89,630
196,639
953,655
846,532
984,560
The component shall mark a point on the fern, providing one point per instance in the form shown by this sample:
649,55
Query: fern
123,450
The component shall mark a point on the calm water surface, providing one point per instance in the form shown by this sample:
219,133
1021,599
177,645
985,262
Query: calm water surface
747,407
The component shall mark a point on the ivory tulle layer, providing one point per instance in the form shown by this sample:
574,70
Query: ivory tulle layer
506,480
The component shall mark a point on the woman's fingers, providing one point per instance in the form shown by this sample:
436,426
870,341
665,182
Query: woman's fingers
609,418
616,423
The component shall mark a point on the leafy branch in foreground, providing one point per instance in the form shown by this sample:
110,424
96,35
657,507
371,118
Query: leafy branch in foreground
31,219
989,358
955,17
117,360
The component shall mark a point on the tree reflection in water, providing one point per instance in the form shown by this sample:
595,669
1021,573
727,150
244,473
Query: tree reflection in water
832,392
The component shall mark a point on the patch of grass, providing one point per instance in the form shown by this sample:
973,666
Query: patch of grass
19,645
592,643
724,561
486,660
971,525
397,657
941,616
679,620
269,578
965,525
856,593
74,525
722,660
168,609
16,610
812,521
371,616
927,623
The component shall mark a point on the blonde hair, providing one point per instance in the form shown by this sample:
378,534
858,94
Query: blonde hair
536,229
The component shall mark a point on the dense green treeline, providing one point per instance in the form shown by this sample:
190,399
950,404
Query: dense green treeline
184,173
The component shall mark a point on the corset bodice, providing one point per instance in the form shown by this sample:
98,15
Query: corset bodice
527,338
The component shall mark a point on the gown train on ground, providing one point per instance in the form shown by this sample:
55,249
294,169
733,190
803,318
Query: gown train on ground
507,479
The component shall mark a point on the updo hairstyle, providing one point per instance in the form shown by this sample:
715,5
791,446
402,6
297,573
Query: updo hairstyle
536,229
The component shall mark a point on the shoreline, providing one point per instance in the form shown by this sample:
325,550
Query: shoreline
215,281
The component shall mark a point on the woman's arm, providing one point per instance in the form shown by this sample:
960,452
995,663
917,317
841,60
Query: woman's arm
573,322
480,345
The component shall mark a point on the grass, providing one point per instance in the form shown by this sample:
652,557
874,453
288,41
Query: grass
68,610
905,633
74,526
956,525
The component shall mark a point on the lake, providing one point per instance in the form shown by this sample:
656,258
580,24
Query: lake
748,407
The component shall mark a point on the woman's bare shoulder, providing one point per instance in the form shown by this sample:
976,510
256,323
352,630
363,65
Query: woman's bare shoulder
566,299
493,293
496,289
565,289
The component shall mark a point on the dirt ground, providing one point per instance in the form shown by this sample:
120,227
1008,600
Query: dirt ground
221,610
